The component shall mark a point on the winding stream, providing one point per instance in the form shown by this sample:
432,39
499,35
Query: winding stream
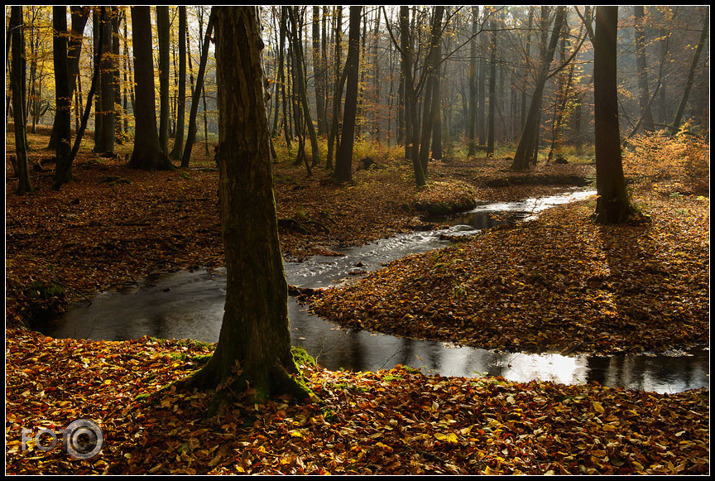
190,305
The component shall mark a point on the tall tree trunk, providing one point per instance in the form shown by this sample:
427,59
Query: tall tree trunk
492,90
691,75
74,48
528,142
119,113
17,78
482,99
644,95
191,135
162,25
176,151
560,106
127,91
437,114
376,117
472,85
35,94
253,351
528,63
287,133
412,144
318,72
300,85
280,73
104,137
97,60
147,153
613,205
431,98
343,161
334,135
63,169
63,95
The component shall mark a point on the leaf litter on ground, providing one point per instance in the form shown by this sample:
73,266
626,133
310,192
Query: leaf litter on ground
97,234
398,421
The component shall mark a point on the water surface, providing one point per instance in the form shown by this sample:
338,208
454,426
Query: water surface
190,305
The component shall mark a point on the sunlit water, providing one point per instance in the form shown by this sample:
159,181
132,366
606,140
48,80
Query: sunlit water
190,305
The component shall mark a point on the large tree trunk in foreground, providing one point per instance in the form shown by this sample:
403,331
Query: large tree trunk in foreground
147,154
254,340
613,206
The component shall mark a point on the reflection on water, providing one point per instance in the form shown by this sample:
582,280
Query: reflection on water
190,305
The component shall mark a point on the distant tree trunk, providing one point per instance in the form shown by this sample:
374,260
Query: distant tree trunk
343,161
119,113
63,95
437,115
104,137
376,117
481,101
35,86
147,154
191,135
253,351
318,73
691,75
334,135
644,97
79,20
162,25
63,168
613,205
492,90
300,84
472,85
181,108
527,147
431,98
412,144
17,78
96,59
280,74
284,84
560,107
127,91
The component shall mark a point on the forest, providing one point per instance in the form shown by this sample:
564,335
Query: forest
394,240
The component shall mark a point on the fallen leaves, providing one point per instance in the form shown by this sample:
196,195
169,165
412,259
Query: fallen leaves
557,283
560,283
389,422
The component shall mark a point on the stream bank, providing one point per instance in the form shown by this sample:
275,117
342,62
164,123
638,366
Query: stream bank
190,305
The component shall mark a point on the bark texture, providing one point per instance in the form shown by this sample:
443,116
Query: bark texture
253,350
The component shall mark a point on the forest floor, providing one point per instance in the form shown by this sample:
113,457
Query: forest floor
114,225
